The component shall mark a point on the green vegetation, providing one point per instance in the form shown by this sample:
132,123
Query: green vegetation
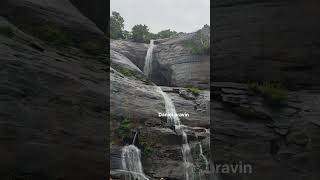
139,32
132,74
149,143
166,34
6,31
124,129
199,45
127,34
272,92
116,26
126,72
194,91
147,149
53,34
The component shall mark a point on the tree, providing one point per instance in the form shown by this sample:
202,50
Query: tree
166,33
139,33
126,35
150,36
116,26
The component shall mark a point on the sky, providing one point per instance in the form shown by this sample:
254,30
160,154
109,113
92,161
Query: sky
178,15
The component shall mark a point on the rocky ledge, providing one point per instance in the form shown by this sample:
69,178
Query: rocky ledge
277,141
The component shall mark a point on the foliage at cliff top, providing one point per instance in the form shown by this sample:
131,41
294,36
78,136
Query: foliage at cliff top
200,43
139,33
116,26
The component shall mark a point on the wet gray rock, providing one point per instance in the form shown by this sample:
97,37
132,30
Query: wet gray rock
136,52
175,65
275,147
140,102
53,100
31,15
95,10
266,41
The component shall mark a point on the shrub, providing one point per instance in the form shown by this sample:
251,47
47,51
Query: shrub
52,33
147,149
194,91
199,45
124,129
197,48
126,72
273,92
130,73
6,31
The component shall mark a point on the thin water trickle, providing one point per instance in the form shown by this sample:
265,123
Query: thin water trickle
134,138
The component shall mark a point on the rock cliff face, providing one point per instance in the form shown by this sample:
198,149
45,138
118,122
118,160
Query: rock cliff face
53,93
266,40
95,10
178,66
278,143
137,100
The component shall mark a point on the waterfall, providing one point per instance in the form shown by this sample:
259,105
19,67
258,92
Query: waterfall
172,121
187,157
131,162
147,69
203,157
170,109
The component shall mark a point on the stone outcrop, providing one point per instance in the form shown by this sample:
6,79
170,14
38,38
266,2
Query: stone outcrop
176,66
53,97
136,52
277,142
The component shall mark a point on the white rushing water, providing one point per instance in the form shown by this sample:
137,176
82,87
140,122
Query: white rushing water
170,108
131,162
172,121
147,69
203,157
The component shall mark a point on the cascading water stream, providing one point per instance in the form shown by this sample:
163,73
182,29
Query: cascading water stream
172,121
147,69
131,162
203,157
